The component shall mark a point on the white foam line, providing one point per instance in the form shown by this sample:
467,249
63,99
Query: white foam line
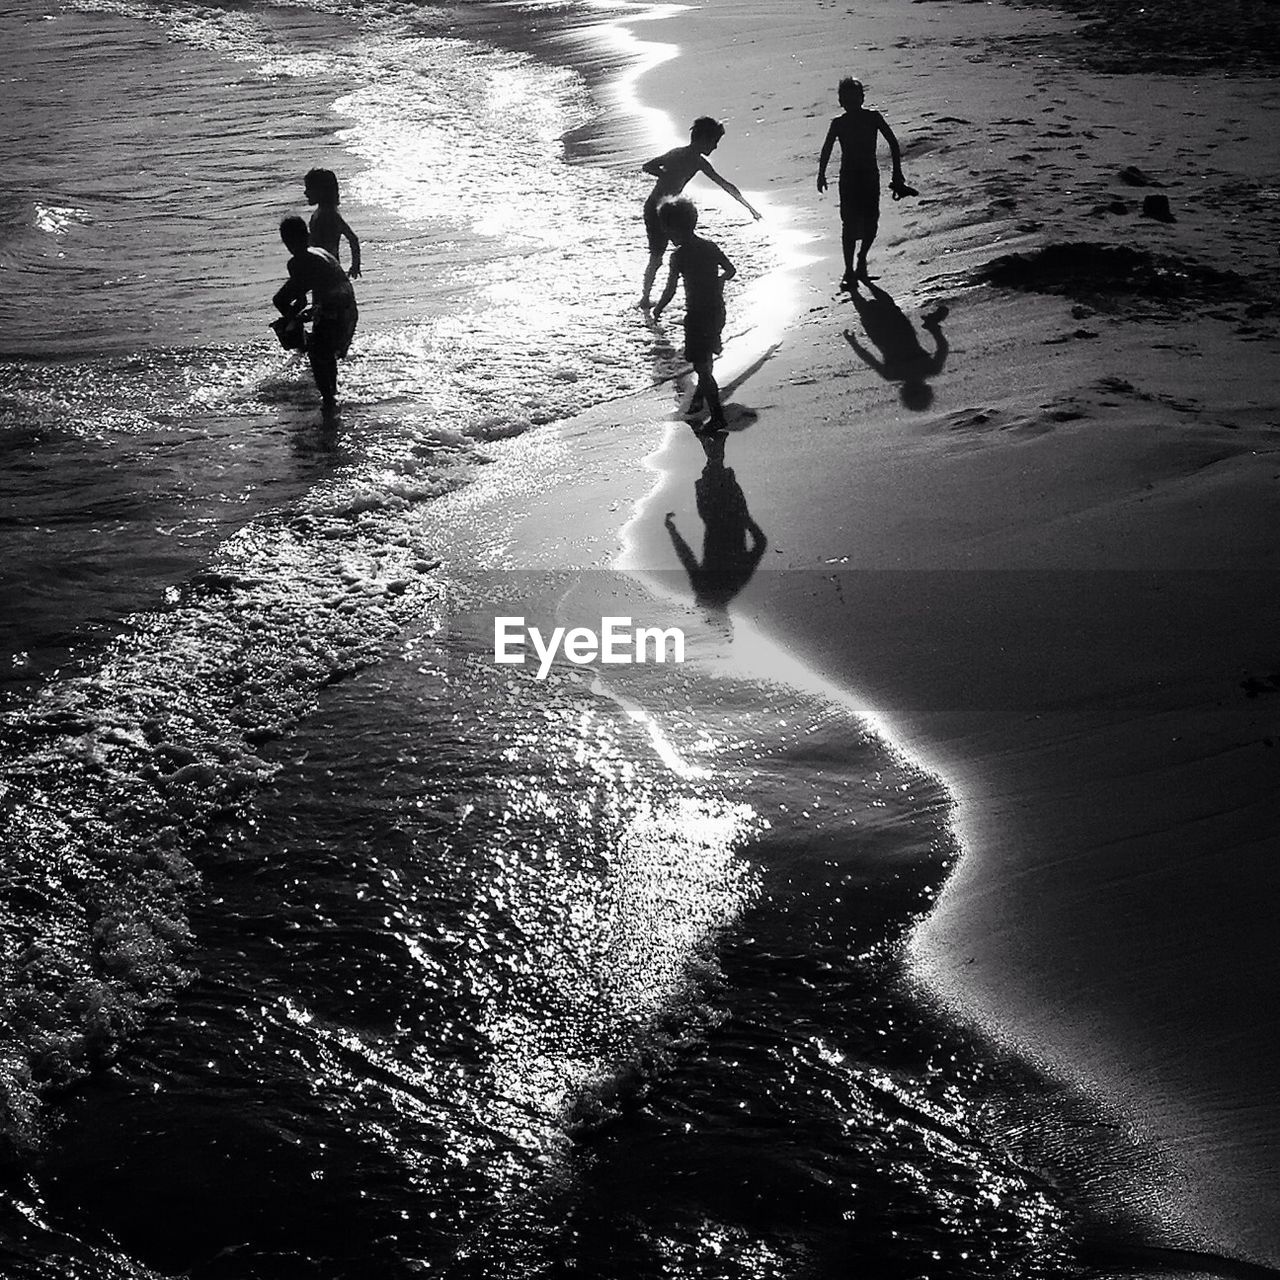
662,745
772,303
640,56
772,300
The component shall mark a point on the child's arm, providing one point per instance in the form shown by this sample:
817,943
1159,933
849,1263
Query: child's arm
292,295
832,134
668,292
654,166
354,242
725,265
894,150
730,188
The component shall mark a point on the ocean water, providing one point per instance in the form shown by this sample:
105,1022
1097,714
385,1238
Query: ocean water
330,948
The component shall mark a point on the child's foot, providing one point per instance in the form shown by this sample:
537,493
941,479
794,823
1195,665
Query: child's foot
848,280
645,303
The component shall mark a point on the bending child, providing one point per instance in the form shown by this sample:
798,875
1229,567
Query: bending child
328,226
703,267
857,131
316,271
674,169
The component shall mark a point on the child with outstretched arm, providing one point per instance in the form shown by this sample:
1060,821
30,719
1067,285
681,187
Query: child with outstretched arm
703,267
857,132
673,170
328,226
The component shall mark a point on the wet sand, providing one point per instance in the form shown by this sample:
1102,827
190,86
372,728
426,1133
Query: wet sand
1051,569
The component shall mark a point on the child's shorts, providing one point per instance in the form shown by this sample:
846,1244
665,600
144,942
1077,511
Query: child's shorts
334,331
860,202
654,233
702,331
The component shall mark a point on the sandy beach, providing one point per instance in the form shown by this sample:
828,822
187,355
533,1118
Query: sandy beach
1049,571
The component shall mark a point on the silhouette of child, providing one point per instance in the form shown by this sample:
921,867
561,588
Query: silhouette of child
674,169
317,272
857,131
704,268
328,226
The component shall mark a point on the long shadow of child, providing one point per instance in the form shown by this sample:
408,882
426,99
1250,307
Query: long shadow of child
728,559
902,359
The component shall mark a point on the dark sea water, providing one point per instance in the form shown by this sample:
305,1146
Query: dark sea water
330,948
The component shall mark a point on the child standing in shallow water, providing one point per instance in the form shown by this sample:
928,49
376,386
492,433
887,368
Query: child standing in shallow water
704,268
674,169
857,132
328,226
316,272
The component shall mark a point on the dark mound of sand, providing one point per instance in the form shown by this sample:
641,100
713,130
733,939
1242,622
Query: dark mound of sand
1109,275
1177,36
1174,37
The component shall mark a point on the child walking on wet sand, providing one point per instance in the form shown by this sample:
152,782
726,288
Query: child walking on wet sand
328,226
857,132
704,268
673,170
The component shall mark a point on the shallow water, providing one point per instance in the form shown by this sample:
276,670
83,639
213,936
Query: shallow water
330,948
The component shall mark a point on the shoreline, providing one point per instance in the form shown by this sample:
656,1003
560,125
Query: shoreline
960,568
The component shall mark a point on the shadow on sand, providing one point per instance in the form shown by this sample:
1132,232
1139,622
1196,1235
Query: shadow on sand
902,359
732,543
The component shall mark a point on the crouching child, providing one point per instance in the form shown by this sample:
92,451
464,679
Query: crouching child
316,272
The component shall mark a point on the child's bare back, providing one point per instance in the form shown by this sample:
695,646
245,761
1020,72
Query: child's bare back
675,170
857,133
326,229
328,226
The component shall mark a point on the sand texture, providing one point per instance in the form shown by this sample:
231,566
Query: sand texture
1036,532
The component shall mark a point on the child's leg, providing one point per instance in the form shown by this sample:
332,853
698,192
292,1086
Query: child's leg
869,229
656,239
322,352
709,390
848,242
650,275
324,368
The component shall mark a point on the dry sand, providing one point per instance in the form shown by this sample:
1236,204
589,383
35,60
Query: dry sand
1053,568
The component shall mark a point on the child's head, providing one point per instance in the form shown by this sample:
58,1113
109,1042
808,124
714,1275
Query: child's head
294,233
850,93
320,186
678,217
706,134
